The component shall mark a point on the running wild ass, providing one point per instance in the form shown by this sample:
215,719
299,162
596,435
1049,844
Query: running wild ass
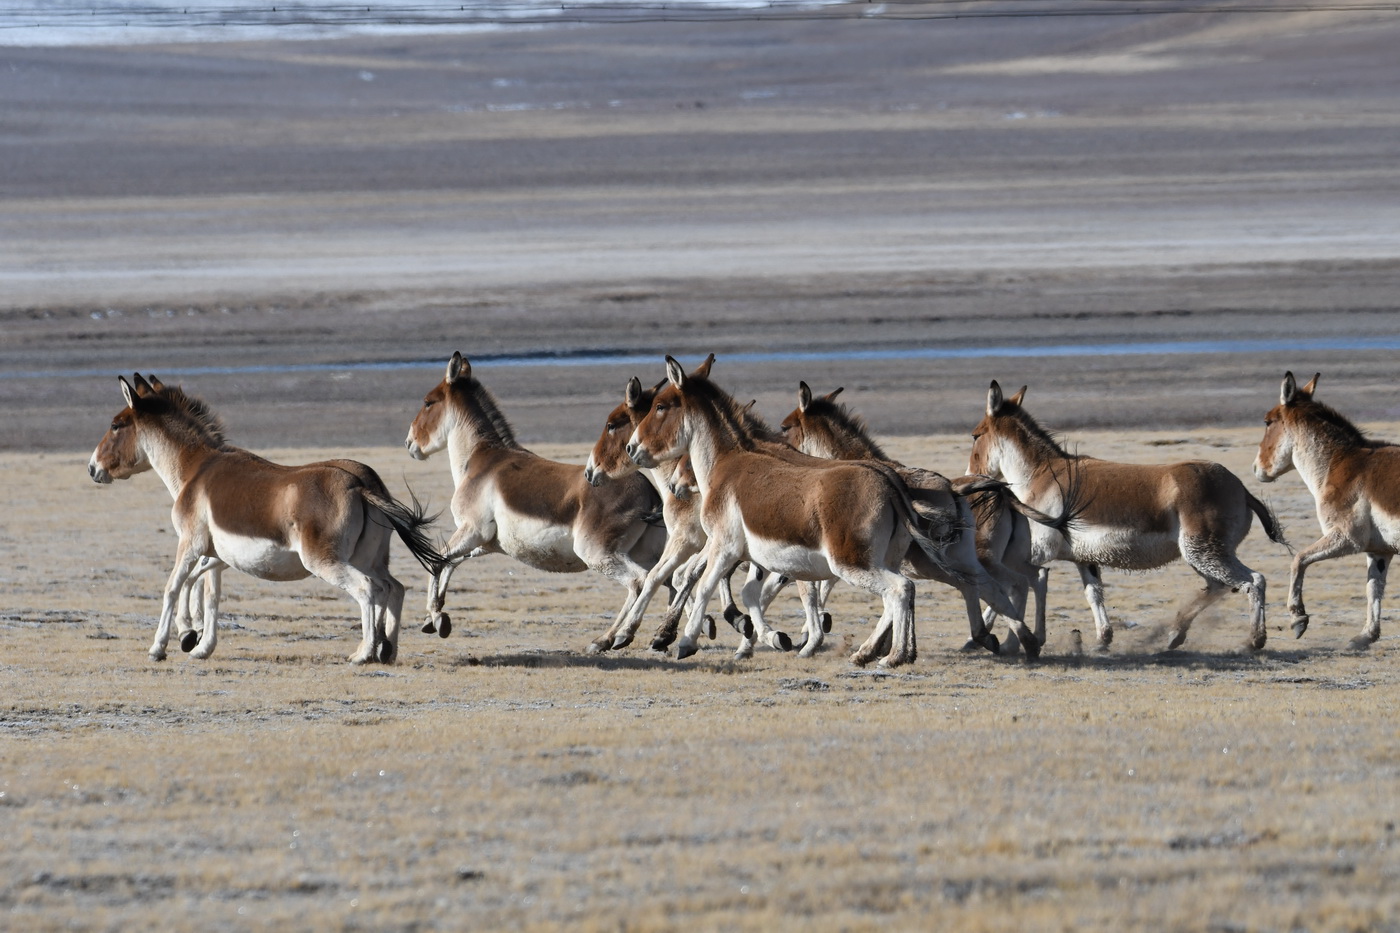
1132,517
685,537
796,516
1355,482
333,520
823,427
510,501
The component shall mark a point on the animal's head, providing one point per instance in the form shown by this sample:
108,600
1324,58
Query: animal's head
807,428
988,438
664,432
608,459
1275,456
431,426
120,454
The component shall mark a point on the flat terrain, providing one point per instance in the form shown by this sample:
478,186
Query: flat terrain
501,778
1146,219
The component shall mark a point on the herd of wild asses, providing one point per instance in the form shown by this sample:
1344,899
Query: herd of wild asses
685,484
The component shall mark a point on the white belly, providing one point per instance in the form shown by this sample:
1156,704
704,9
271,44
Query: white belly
542,545
259,557
799,563
1123,548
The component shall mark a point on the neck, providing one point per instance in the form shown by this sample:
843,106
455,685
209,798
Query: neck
1313,460
172,463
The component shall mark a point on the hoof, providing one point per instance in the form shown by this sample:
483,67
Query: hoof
710,631
744,651
156,655
358,658
684,651
1362,642
621,641
444,626
989,641
429,627
597,647
1177,639
1300,625
388,653
891,661
188,641
662,642
826,623
746,628
732,615
970,646
860,659
1031,644
781,641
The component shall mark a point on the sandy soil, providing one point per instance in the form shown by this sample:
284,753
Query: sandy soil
501,778
224,214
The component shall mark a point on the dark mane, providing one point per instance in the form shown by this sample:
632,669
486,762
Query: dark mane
193,415
1336,426
1036,436
742,425
846,424
487,422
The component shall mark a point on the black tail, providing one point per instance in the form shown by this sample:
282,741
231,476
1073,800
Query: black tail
409,522
1272,526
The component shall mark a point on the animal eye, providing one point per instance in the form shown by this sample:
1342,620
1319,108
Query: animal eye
661,408
116,426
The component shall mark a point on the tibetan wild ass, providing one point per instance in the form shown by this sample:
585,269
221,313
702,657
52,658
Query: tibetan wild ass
1133,517
823,427
511,501
810,520
333,520
1355,482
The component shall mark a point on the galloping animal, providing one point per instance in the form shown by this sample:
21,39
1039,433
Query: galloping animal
1134,517
511,501
1355,482
806,520
823,427
232,508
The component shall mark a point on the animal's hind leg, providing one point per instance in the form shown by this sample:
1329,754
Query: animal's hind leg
365,590
1209,593
1376,567
1222,570
391,612
1093,593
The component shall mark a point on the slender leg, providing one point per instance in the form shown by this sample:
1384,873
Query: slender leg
213,588
1325,548
1376,566
186,558
1093,593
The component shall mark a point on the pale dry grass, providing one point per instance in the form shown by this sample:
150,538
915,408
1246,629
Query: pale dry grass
501,779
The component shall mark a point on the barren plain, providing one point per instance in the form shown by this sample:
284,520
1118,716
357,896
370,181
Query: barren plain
1146,219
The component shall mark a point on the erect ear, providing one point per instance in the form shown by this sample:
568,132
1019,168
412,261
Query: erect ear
831,396
142,387
1018,398
128,393
674,373
458,367
156,384
804,397
1288,391
703,369
1311,387
633,395
994,398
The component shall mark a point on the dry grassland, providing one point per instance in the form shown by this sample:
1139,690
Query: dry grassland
502,779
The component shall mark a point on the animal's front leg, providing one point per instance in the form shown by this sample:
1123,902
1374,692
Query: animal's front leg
1324,548
718,560
213,589
752,594
463,544
185,560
